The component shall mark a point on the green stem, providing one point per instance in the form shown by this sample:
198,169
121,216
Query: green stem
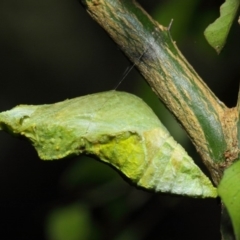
226,225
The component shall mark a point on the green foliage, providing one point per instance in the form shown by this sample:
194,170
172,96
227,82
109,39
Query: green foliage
71,222
217,32
118,128
229,191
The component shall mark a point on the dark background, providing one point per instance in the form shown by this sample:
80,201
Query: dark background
52,50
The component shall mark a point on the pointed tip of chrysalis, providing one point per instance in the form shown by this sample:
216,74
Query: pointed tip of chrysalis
208,190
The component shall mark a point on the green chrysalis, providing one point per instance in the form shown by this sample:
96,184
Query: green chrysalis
118,128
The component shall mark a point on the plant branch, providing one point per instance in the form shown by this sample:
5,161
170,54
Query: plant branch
171,77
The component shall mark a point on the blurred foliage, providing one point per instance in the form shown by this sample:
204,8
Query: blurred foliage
52,50
71,222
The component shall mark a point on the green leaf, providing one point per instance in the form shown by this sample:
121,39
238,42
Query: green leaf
69,223
229,191
217,32
118,128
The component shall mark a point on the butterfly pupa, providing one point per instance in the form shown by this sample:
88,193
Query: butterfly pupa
122,131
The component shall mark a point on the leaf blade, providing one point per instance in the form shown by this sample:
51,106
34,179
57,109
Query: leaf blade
229,191
217,32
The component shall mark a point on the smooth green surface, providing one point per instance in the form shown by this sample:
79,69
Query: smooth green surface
217,32
238,123
118,128
69,223
229,191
